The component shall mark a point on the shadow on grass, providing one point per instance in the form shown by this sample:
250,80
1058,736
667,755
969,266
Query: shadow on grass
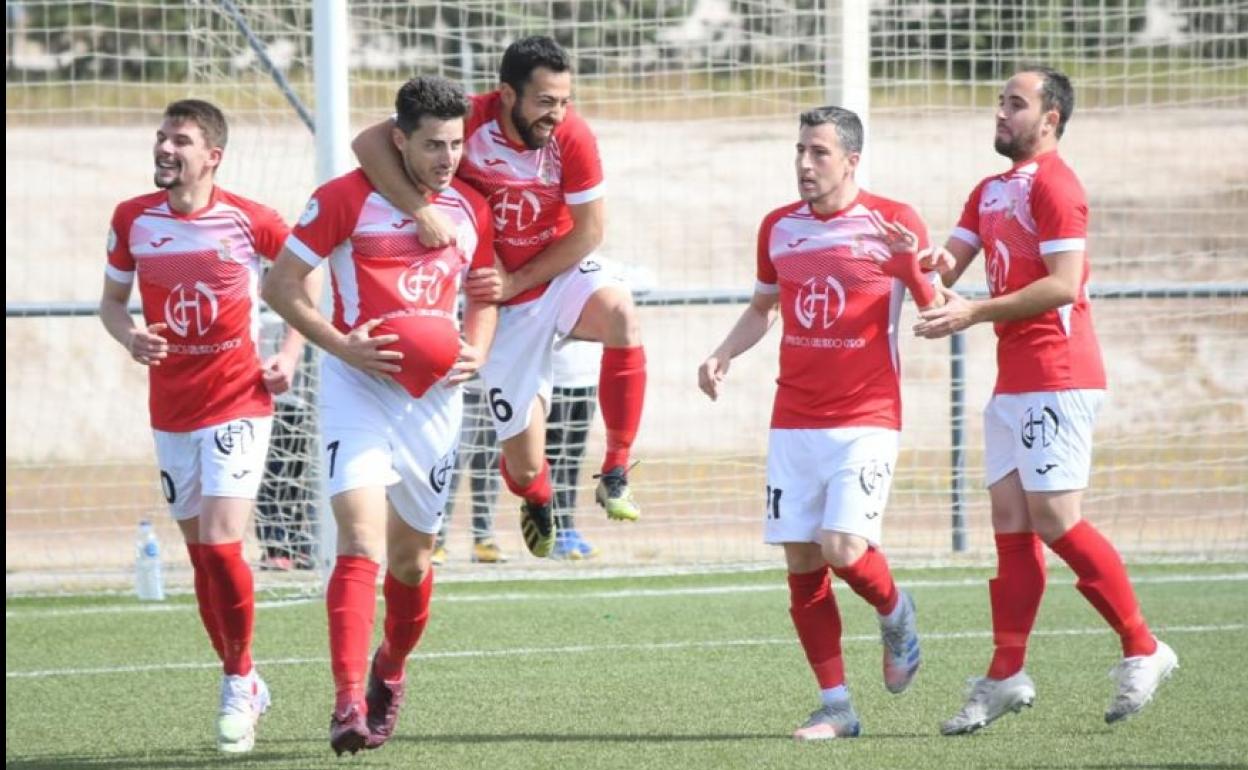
187,760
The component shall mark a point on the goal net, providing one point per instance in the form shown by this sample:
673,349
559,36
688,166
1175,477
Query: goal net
695,105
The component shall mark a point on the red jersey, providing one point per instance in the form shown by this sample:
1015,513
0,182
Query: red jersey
838,354
528,191
1036,208
199,274
381,269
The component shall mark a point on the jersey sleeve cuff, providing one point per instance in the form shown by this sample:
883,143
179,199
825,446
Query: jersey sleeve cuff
301,250
1063,244
766,288
967,237
120,276
585,196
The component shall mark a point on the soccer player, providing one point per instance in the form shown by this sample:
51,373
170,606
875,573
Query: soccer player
1032,223
536,162
834,266
195,249
390,402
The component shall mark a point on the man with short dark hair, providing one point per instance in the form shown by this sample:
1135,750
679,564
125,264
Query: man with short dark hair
390,403
536,161
1032,222
195,250
834,266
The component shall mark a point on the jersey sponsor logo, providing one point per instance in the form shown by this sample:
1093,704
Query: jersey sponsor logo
819,302
112,240
515,210
236,436
190,307
998,268
310,212
161,241
423,283
399,225
440,473
793,244
494,161
1039,425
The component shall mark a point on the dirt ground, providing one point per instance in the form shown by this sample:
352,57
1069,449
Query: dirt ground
1167,190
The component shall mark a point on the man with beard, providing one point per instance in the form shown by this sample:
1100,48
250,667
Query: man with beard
391,405
835,267
196,250
1032,223
536,161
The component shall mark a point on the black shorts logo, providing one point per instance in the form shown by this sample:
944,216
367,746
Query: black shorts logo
166,486
1039,425
589,266
237,435
441,472
872,476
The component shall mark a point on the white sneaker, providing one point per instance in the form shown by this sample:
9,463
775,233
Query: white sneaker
835,721
243,700
989,700
1138,678
901,647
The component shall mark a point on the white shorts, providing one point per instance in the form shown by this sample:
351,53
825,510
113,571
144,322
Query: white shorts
520,366
833,479
1045,436
374,434
222,460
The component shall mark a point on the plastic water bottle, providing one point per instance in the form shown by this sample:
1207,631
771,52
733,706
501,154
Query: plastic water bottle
149,584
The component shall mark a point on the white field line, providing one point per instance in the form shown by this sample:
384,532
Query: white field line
582,649
624,593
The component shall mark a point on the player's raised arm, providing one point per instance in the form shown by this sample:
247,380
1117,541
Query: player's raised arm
375,149
498,285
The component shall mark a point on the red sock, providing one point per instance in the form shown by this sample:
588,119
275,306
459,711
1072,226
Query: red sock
203,598
407,613
537,492
233,602
871,579
818,624
351,599
621,393
1015,595
1103,581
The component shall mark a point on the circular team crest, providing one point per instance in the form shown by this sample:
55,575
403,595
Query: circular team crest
998,268
310,213
423,283
515,210
820,302
187,308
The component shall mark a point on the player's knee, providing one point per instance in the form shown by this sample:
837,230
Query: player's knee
617,319
625,331
841,549
360,541
410,571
